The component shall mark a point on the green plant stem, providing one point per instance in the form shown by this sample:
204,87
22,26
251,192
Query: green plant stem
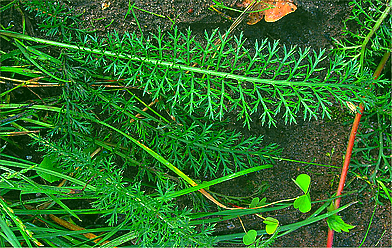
289,227
138,143
372,31
8,6
301,162
350,146
218,180
370,223
174,65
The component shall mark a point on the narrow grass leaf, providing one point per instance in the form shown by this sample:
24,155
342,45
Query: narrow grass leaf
8,234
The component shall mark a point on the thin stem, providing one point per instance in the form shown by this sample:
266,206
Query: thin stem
350,146
178,66
370,223
372,31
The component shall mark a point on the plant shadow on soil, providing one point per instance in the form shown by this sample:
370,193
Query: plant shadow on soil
313,24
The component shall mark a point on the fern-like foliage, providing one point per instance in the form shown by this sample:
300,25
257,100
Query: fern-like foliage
368,43
200,84
55,17
194,81
374,22
210,149
268,82
154,222
372,152
211,81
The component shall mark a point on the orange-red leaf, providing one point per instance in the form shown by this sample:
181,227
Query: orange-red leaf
281,8
255,17
271,10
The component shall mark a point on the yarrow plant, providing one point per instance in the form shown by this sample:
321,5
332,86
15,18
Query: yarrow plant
130,120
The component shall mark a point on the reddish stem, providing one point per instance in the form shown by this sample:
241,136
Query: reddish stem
350,146
346,164
347,158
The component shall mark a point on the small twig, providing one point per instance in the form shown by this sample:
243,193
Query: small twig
242,224
145,109
221,13
74,227
18,133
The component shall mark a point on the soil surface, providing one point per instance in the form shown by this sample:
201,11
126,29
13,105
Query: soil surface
313,24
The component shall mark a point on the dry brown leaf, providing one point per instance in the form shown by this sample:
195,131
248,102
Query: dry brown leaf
272,10
281,9
255,17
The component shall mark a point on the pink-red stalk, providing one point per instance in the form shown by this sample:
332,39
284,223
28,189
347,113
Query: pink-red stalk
350,146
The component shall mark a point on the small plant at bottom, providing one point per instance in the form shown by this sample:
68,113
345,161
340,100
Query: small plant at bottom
336,223
302,203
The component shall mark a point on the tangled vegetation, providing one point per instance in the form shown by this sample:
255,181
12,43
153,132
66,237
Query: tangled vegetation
160,104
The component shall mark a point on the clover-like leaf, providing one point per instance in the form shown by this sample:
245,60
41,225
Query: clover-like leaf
303,203
271,225
262,202
250,237
256,202
303,182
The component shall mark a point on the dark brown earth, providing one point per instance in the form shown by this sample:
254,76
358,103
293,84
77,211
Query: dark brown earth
311,141
314,24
